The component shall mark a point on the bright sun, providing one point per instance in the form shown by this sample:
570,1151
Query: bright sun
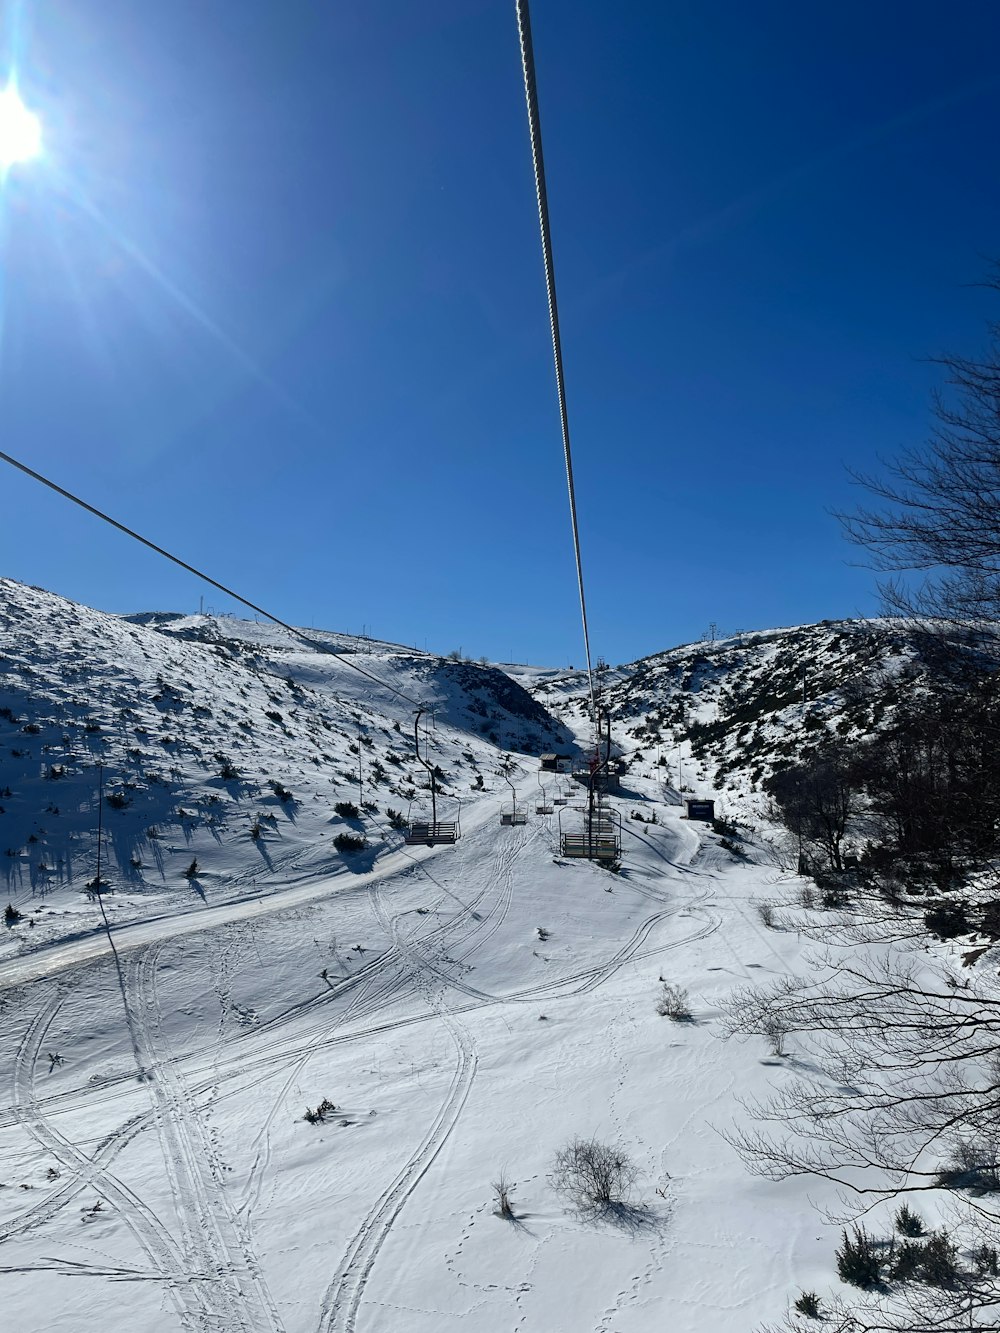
20,130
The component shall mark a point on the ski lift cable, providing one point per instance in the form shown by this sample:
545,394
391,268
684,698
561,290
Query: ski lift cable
198,573
538,162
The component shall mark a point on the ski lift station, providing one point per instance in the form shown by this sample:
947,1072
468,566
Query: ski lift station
557,763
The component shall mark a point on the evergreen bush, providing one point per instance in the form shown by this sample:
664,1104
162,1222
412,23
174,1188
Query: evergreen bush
858,1260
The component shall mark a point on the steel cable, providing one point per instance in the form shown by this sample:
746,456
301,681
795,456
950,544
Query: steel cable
535,128
136,536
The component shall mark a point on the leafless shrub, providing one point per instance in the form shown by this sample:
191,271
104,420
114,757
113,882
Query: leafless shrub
766,913
593,1174
775,1029
674,1003
974,1164
503,1188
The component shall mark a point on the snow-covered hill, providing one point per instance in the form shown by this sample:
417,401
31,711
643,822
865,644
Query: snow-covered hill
280,1103
223,742
719,717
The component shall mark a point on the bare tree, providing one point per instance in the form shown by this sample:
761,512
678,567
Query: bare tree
906,1101
940,504
816,801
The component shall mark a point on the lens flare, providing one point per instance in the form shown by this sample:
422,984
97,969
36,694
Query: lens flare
20,130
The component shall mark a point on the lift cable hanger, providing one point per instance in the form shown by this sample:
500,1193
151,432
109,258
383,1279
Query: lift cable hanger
535,129
136,536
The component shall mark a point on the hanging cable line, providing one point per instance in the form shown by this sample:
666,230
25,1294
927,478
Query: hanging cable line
136,536
535,128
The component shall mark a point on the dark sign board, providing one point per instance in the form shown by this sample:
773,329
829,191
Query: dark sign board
704,810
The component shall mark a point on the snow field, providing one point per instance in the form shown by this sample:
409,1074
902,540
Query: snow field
428,1035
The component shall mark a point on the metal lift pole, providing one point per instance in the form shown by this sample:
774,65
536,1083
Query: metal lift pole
430,771
513,793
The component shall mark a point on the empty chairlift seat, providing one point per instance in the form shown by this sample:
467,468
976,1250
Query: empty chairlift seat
425,833
598,839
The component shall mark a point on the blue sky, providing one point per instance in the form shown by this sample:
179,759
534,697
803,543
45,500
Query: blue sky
274,297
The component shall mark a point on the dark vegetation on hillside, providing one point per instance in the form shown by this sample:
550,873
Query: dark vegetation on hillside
899,1092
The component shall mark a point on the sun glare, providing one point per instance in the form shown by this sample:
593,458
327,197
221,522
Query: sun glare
20,130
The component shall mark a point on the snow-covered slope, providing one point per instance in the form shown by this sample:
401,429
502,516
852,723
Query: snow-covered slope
719,717
223,742
449,1016
466,1012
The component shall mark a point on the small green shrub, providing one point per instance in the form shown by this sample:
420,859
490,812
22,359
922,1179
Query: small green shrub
348,842
808,1304
939,1261
947,920
909,1223
985,1260
346,809
858,1260
11,916
192,870
907,1260
318,1116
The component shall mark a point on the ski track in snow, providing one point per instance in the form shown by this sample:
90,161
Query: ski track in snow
237,1296
342,1300
147,1228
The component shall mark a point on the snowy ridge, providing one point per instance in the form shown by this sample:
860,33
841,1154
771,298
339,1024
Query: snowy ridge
723,715
223,742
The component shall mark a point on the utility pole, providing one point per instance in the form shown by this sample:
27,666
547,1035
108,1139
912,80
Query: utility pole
361,798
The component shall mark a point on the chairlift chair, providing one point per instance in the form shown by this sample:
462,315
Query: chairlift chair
543,806
597,837
511,814
424,831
